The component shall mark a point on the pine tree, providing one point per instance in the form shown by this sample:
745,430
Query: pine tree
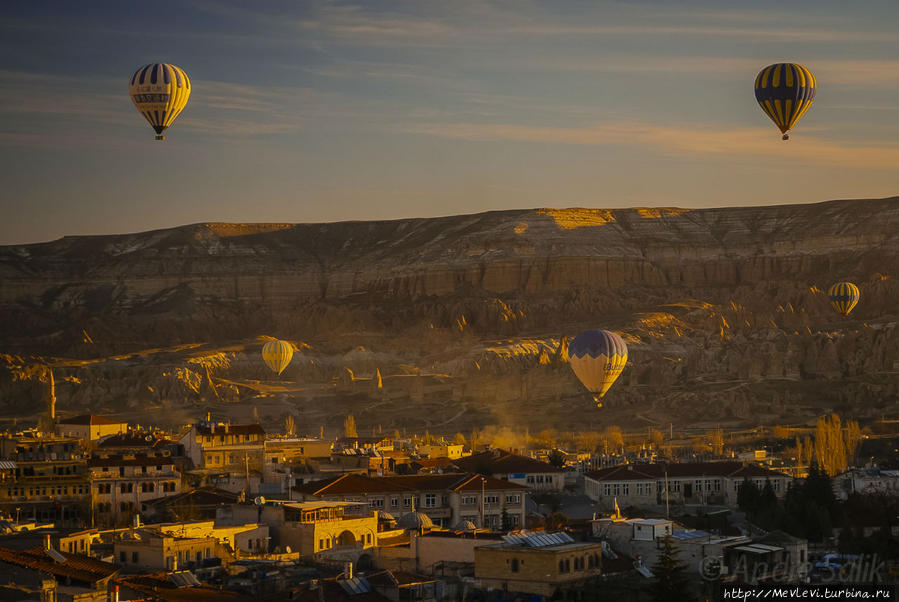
671,582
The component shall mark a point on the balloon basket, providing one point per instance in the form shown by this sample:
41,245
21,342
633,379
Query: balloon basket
786,137
160,137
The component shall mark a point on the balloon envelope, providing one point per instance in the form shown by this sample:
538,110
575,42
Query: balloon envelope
844,296
160,92
597,358
785,91
277,355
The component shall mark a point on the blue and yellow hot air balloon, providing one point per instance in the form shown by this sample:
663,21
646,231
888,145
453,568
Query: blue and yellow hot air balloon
785,91
277,355
160,92
844,296
597,358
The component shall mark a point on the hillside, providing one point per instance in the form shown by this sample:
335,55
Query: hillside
466,318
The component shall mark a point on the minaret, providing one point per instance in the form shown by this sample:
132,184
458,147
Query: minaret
51,398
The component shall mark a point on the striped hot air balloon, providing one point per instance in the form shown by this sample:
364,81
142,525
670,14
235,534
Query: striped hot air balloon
277,355
785,91
160,92
597,358
844,296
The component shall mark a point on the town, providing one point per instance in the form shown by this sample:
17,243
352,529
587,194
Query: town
97,509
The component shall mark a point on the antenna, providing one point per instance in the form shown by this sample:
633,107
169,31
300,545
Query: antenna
259,501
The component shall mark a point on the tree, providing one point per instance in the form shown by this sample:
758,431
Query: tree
557,458
748,496
506,523
255,414
671,582
656,437
290,425
459,439
349,426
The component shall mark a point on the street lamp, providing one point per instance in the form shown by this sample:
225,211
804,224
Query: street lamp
483,501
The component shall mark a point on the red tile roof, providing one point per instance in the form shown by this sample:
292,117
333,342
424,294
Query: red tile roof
90,419
640,472
159,587
353,484
503,462
76,567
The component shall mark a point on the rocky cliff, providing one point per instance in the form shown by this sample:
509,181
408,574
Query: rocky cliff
724,310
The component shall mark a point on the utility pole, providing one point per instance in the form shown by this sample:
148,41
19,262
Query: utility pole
246,459
666,494
483,491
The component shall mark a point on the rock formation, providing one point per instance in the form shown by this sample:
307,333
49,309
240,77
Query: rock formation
724,311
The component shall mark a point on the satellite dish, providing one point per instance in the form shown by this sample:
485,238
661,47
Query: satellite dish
259,501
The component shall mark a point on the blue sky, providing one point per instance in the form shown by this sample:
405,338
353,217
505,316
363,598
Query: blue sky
320,111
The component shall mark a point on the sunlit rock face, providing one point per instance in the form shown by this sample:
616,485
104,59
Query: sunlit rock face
724,312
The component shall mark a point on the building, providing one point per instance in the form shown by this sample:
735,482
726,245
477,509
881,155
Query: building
120,485
323,529
453,451
47,574
44,478
200,503
88,427
642,538
135,443
514,468
445,498
699,483
866,480
225,447
537,563
250,538
146,549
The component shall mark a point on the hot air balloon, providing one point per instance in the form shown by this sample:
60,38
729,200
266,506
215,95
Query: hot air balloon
597,358
277,355
160,92
844,296
785,91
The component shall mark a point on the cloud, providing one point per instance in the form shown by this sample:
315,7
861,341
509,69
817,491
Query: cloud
682,139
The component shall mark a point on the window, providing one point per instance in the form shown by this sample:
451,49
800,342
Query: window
625,489
407,502
616,489
368,538
376,503
606,489
469,500
134,557
513,499
321,544
514,565
698,486
123,557
491,499
143,470
776,484
430,500
530,478
394,502
717,485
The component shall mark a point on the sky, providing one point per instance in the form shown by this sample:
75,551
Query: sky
310,111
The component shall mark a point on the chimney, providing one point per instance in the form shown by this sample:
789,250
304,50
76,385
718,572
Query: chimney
47,545
115,594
